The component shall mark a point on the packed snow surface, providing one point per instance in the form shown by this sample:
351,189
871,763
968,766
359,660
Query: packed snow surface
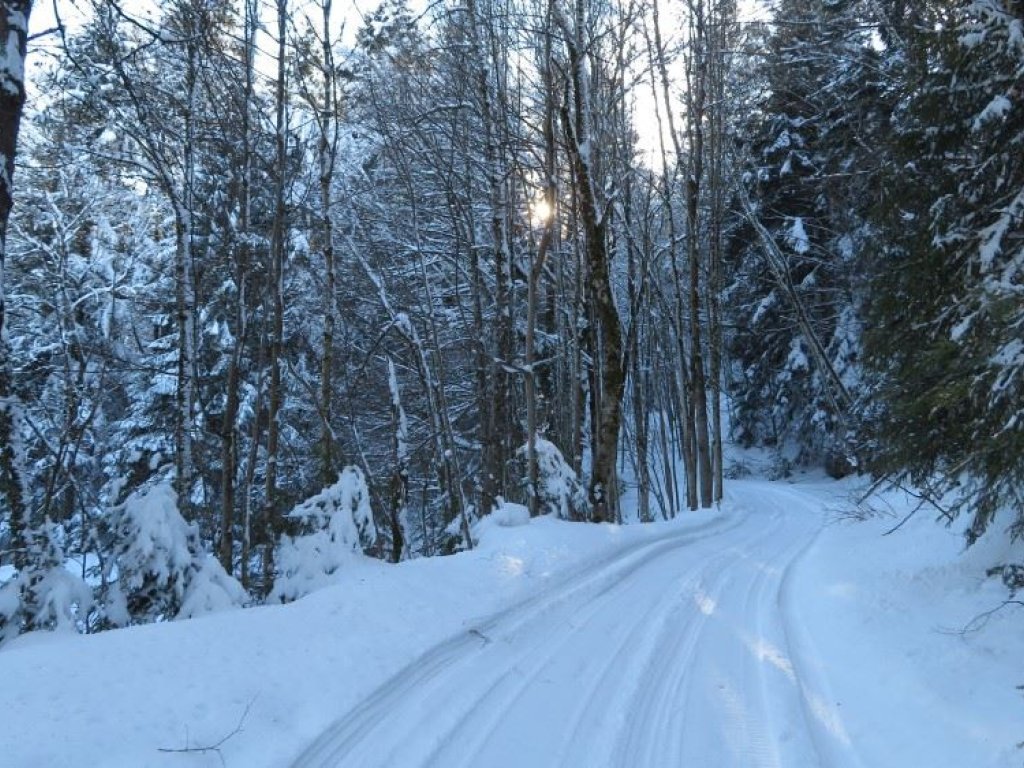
754,635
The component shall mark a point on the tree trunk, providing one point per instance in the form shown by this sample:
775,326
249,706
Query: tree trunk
185,292
496,437
14,30
717,191
229,427
227,452
640,419
577,123
400,479
327,146
250,473
272,521
536,270
696,105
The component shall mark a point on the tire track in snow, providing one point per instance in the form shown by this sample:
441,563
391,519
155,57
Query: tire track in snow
822,718
598,741
670,652
334,745
648,733
543,654
531,665
659,733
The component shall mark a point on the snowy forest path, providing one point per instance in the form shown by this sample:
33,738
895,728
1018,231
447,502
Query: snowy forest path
685,650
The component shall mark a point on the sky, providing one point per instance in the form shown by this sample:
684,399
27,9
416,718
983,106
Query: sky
347,18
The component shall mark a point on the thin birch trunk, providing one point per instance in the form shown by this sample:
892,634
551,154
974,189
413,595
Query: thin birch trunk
272,522
14,17
229,427
400,478
536,270
327,148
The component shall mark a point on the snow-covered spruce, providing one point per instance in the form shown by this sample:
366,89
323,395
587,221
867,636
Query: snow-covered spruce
559,490
45,595
160,569
339,526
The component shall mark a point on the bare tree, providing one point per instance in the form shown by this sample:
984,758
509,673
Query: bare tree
278,246
229,424
696,114
592,210
548,214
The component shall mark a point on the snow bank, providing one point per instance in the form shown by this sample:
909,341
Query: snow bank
46,595
885,617
874,618
509,515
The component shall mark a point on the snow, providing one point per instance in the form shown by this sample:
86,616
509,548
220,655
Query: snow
797,358
1010,360
341,523
992,236
46,594
161,570
996,109
402,421
995,13
766,633
763,306
961,328
506,514
211,590
897,605
158,534
1010,354
797,236
12,70
12,64
559,489
122,695
782,141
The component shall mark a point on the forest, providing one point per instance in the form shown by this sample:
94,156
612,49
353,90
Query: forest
281,282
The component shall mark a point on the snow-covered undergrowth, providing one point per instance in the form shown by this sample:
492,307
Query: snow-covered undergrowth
339,527
162,570
560,490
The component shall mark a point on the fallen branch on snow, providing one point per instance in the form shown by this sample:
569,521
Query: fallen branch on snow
216,746
979,621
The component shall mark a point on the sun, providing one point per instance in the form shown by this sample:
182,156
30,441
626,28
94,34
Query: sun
541,211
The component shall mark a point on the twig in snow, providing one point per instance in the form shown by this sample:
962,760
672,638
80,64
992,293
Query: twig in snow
923,498
979,621
899,525
216,746
481,635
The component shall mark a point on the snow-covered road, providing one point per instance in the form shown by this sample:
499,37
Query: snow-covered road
682,651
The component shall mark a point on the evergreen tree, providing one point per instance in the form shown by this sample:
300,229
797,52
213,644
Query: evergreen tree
813,154
44,595
947,314
158,566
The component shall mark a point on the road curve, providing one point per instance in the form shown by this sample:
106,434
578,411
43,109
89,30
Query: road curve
673,652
